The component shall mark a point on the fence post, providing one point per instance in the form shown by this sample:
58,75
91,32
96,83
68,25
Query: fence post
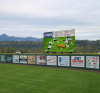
99,62
85,62
70,61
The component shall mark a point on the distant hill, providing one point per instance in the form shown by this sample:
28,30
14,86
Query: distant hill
5,37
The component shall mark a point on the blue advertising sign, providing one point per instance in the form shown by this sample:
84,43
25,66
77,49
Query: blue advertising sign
48,34
9,58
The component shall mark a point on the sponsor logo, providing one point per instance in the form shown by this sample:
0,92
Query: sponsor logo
77,59
48,35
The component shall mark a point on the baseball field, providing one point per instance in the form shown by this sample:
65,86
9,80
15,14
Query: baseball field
33,79
60,41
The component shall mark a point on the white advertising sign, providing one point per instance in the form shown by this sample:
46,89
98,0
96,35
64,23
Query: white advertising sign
52,60
41,60
63,61
15,59
64,33
77,61
23,59
3,58
92,62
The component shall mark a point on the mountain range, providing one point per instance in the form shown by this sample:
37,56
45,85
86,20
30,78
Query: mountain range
5,37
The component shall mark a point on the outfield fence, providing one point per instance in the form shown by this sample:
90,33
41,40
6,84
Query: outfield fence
82,61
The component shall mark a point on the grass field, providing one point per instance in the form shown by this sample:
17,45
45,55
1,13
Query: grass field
55,48
32,79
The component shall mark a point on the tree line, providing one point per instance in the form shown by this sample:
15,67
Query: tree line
81,46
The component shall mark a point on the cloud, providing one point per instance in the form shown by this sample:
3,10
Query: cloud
20,30
51,8
33,17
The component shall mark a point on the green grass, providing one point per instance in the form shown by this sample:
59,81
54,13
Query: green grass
55,48
30,79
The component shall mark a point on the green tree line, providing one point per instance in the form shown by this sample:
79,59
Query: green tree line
81,46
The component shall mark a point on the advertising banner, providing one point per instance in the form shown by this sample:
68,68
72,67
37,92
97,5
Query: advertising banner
23,59
52,60
61,41
48,35
31,59
15,59
63,60
77,61
64,33
3,58
9,58
41,60
92,62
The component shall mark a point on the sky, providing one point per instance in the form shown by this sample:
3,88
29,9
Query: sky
25,18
